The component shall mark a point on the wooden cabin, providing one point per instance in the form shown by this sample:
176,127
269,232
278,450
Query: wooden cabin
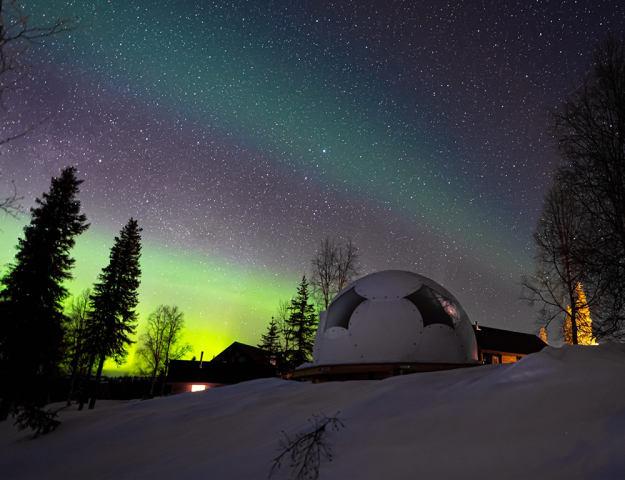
495,345
237,363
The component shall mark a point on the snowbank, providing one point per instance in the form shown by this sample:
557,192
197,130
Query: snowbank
556,414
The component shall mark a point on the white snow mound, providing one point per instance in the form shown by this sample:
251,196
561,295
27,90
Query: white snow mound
557,414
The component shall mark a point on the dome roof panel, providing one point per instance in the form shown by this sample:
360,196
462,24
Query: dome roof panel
394,316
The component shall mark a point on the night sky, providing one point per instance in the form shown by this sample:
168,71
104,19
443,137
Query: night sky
240,134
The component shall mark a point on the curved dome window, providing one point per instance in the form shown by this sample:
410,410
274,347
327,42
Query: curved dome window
340,310
434,307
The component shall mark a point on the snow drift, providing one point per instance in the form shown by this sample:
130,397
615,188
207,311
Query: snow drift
557,414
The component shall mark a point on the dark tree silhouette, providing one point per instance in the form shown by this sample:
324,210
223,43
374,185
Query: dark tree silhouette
270,342
76,356
590,131
114,299
301,326
160,343
561,241
31,311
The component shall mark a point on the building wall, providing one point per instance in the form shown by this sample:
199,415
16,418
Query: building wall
186,387
489,356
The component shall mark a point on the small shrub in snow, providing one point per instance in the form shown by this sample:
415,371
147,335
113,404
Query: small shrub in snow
37,419
306,450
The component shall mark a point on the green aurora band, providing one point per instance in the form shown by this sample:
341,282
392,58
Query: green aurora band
217,298
245,78
202,64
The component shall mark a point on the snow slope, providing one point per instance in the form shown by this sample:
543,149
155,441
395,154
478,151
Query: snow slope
557,414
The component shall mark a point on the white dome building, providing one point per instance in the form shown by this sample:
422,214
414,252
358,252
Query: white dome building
388,323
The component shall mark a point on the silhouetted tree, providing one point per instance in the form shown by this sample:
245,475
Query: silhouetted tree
301,326
161,343
325,272
285,339
334,266
590,131
76,354
348,260
270,342
114,319
31,311
560,240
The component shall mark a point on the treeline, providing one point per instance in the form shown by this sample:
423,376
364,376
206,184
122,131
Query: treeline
289,338
580,237
41,337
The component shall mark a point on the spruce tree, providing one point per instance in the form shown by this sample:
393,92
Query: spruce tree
31,312
114,319
301,326
270,342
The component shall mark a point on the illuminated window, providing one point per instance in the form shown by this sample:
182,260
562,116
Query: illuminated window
198,388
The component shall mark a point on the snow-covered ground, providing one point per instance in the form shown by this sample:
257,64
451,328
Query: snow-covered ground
558,414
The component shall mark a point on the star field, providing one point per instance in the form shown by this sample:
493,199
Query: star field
242,133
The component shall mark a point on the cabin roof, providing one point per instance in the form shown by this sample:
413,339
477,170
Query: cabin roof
255,354
237,363
498,340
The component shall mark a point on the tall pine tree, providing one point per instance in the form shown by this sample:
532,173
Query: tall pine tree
31,313
301,326
114,319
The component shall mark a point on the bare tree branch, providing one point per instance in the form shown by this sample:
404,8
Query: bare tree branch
590,130
11,205
306,450
16,34
334,266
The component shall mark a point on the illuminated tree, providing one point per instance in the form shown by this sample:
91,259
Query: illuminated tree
31,310
583,322
114,300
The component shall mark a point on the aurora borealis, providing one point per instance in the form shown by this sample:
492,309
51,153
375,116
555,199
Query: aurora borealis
241,133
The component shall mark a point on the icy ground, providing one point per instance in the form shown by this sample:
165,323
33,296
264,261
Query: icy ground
558,414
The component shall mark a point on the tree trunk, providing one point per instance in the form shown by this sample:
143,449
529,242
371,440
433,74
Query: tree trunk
97,383
73,381
152,383
89,370
164,376
574,315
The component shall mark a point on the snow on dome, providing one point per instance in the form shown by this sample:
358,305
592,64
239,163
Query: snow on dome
394,316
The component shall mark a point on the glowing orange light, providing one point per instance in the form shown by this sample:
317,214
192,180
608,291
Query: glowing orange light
584,322
198,388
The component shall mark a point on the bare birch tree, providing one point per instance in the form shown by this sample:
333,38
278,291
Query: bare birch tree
560,238
348,260
589,128
333,267
325,272
161,343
